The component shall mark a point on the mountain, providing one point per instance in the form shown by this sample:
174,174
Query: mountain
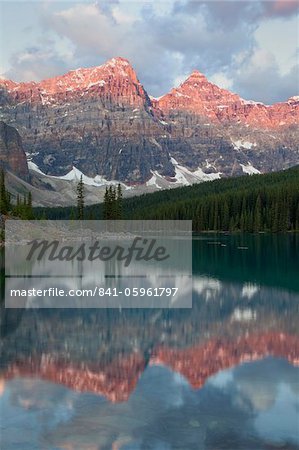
99,120
198,96
102,122
12,155
117,380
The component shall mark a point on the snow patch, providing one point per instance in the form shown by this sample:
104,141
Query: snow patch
206,176
98,181
97,83
249,169
251,102
180,176
156,98
186,177
156,143
154,179
243,144
179,94
117,61
33,166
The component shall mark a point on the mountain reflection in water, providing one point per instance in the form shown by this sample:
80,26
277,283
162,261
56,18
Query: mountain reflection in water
222,375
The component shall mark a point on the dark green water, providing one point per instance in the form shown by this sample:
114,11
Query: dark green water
222,375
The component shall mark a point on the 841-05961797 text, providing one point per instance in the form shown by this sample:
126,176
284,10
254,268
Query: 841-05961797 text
97,291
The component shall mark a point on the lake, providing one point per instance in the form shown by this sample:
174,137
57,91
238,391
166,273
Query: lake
223,374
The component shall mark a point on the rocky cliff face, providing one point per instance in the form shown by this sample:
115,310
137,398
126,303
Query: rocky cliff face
99,120
12,155
102,121
200,97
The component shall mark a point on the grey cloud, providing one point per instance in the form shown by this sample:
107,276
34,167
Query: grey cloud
36,63
183,43
228,13
280,8
162,47
267,84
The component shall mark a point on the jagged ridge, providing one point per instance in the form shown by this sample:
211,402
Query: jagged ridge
102,121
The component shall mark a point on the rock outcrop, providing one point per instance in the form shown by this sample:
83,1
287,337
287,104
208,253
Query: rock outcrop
12,155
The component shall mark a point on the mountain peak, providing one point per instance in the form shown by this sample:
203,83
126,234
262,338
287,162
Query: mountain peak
118,61
120,67
196,75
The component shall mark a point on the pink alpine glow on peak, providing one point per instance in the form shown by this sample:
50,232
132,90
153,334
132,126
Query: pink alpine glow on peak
198,96
115,79
116,82
196,75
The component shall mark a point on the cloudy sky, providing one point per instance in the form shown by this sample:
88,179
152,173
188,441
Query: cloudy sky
249,47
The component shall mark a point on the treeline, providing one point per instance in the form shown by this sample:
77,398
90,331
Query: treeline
254,203
269,209
19,205
257,203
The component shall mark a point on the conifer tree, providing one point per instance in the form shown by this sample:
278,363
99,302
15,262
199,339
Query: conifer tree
119,196
106,205
80,199
4,196
29,210
112,208
258,215
112,202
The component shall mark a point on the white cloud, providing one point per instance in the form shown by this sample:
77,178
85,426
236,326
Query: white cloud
122,17
87,27
222,80
260,59
280,37
35,63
